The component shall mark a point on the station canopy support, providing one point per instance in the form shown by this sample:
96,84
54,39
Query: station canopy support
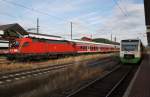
147,19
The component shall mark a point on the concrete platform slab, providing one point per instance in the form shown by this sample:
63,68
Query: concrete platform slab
140,85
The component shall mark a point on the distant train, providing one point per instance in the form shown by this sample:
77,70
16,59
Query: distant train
131,51
39,45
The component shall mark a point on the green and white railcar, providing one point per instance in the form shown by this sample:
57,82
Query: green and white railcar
131,51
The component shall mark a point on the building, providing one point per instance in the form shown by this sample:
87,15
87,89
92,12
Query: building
147,19
11,31
86,39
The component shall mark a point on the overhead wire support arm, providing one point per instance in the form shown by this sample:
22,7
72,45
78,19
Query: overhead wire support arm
38,25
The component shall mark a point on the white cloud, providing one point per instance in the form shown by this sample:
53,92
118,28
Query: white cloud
129,26
86,23
60,6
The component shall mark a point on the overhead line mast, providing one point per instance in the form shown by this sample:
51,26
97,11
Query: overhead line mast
71,30
38,26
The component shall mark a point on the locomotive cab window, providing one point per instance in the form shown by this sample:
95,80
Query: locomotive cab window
26,44
15,44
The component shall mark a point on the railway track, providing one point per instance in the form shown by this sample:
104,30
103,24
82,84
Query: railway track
24,74
5,61
107,85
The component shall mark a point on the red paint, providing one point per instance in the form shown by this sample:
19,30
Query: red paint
30,46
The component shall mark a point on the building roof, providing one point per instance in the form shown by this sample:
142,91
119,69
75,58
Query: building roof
15,27
86,39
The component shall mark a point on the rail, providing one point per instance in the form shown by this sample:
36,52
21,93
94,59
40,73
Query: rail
106,85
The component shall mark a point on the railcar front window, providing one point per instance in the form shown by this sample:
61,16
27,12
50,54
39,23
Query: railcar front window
129,47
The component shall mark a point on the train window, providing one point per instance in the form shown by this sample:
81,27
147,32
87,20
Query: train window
93,48
96,48
26,44
83,47
86,47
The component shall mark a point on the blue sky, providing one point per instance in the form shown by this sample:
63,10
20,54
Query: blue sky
98,18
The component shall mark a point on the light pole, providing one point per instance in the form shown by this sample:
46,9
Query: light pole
38,25
71,30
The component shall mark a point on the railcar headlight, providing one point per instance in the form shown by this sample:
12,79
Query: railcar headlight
121,54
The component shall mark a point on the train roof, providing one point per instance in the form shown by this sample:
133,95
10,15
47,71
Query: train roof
131,39
88,42
44,36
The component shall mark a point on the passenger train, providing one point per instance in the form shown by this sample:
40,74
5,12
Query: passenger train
131,51
40,45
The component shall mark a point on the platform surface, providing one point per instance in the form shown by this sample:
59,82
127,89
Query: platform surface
140,85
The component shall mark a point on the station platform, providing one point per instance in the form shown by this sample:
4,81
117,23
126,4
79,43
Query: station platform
140,84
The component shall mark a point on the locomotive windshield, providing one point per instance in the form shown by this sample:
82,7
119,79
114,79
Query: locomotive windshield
15,44
129,46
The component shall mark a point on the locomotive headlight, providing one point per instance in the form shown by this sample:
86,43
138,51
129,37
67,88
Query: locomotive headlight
16,50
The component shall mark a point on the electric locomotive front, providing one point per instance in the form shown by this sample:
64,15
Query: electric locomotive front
16,46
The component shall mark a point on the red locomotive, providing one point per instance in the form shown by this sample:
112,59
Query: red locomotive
40,45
